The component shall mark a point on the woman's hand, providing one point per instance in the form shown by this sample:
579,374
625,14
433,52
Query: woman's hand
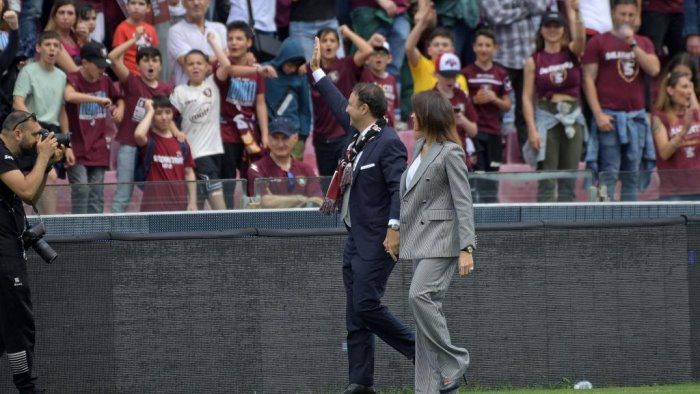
466,263
533,138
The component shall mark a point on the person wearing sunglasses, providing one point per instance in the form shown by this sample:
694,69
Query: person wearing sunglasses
286,182
21,133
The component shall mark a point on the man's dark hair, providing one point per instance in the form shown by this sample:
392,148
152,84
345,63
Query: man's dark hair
148,53
16,119
441,32
624,2
48,35
161,102
240,26
373,96
83,10
488,33
327,30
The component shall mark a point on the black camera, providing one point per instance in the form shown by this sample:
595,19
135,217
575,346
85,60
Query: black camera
63,139
33,237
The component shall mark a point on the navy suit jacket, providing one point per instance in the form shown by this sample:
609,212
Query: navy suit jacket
375,194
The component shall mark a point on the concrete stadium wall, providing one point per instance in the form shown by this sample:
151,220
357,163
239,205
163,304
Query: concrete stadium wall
236,312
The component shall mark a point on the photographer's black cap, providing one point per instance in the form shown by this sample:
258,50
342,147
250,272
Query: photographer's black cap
95,52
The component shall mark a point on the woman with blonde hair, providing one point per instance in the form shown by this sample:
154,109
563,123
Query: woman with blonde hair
437,234
676,131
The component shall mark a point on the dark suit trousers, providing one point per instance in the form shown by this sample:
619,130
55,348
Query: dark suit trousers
365,316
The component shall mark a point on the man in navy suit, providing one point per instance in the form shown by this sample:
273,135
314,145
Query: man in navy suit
374,162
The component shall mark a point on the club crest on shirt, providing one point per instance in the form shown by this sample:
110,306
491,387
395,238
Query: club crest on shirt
628,69
334,76
558,77
207,92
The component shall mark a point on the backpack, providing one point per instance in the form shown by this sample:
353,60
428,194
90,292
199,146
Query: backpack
143,166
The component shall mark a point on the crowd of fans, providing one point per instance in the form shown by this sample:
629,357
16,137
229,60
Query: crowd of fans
611,83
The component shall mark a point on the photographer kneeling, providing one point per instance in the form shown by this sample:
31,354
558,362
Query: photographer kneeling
21,133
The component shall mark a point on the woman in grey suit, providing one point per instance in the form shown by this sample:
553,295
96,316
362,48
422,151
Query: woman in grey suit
437,234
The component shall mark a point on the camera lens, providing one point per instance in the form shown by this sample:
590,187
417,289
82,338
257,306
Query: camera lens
45,251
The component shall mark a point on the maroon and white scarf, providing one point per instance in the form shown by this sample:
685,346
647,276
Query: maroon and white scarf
343,173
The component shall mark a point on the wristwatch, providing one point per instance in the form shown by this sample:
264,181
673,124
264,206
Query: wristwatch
469,249
633,44
394,226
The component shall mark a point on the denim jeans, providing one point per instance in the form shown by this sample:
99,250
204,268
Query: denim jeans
28,26
87,189
126,161
304,32
616,157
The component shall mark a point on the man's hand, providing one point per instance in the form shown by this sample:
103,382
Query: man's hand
70,158
118,113
389,6
148,105
344,29
47,146
315,62
604,122
103,101
485,96
10,17
391,243
179,135
138,33
376,40
426,16
267,71
466,263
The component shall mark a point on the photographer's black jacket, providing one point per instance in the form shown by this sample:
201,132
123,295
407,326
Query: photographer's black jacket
11,210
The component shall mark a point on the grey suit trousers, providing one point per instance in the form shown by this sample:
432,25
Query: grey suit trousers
437,359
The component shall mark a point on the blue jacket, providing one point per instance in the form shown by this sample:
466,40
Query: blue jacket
289,95
374,195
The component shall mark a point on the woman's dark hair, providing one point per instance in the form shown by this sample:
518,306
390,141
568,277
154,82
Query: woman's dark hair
373,96
684,59
539,39
435,117
664,103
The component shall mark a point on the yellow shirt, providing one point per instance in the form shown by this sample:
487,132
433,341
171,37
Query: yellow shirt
424,78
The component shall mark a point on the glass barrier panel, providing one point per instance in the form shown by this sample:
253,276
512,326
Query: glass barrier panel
63,198
654,185
288,192
532,186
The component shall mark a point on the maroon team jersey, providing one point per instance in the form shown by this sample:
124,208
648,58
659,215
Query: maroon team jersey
388,85
463,103
169,192
344,74
557,73
687,157
663,6
620,82
496,78
136,92
88,121
238,96
297,180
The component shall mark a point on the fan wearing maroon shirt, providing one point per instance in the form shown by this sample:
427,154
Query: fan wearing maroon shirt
447,67
375,72
166,189
136,89
489,89
244,115
294,182
551,102
329,138
89,94
614,64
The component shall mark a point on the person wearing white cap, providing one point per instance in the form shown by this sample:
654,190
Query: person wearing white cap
447,68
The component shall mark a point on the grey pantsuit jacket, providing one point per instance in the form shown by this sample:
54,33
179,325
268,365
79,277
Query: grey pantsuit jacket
437,217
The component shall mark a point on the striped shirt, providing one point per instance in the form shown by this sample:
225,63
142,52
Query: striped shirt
511,22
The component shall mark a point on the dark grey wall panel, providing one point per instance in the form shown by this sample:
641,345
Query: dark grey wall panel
242,314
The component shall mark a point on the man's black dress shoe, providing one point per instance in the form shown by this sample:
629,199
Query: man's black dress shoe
452,386
358,389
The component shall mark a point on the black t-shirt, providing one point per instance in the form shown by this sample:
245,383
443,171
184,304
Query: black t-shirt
313,10
11,223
